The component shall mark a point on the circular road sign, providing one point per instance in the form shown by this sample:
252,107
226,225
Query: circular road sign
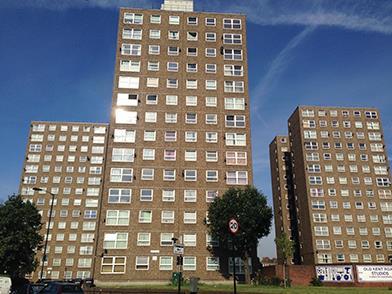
234,226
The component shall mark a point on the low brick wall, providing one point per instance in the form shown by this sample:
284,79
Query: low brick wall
300,275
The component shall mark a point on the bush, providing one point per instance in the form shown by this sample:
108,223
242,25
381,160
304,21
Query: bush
316,282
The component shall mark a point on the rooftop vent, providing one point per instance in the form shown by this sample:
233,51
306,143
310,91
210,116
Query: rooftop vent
178,5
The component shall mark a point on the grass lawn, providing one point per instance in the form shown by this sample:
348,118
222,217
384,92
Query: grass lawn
265,289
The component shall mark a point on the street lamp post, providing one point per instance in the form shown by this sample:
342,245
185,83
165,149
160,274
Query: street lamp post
47,230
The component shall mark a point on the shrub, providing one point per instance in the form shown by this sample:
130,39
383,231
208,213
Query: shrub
316,282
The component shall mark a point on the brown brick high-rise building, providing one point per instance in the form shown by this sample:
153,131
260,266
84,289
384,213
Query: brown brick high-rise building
66,159
339,186
179,136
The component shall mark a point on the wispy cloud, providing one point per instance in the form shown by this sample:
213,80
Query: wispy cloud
359,15
79,4
277,67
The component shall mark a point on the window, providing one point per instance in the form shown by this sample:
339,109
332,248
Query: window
147,174
191,84
131,49
169,154
210,37
169,175
173,51
133,34
236,158
190,155
123,155
173,35
156,19
232,54
210,21
155,34
166,239
190,136
150,117
235,139
168,195
115,241
191,67
211,119
149,136
211,195
117,217
171,118
142,262
153,66
148,154
211,137
154,49
145,216
211,68
172,66
211,175
190,175
152,82
152,99
190,217
113,265
133,18
124,175
191,36
128,82
231,23
170,136
235,39
172,83
192,20
235,103
191,51
210,52
174,20
211,85
165,263
235,121
171,100
129,65
146,194
191,118
211,101
237,177
143,239
190,195
167,217
234,87
189,240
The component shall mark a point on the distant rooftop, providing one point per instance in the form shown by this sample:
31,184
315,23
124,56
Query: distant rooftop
178,5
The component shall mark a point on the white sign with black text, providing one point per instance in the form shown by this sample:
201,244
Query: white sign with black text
335,273
374,273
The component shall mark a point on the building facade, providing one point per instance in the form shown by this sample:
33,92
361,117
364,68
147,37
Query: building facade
341,186
179,136
66,159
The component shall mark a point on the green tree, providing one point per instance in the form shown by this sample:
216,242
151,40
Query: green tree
249,207
286,249
20,224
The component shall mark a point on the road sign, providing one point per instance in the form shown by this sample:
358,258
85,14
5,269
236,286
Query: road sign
178,249
234,226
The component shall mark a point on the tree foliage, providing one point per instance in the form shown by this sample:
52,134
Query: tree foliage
20,224
285,246
249,207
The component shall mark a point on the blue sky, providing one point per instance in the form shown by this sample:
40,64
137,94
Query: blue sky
55,54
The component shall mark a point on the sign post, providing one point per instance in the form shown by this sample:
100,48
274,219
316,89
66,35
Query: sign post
178,250
233,230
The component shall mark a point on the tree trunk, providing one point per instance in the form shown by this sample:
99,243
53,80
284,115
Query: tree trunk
284,274
246,268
